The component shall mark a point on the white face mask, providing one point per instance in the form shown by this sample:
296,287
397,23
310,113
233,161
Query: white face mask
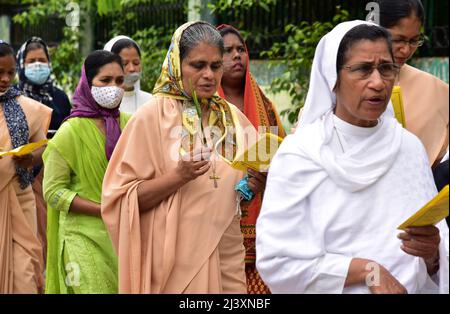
132,78
107,97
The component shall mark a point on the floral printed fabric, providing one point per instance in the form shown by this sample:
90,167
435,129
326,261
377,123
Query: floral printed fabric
18,130
41,93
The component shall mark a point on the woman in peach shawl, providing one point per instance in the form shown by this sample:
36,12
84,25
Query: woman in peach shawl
241,89
168,195
425,97
22,120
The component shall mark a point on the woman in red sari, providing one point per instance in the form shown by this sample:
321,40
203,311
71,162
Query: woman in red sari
240,88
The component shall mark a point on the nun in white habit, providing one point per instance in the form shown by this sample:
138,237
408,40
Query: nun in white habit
130,53
341,185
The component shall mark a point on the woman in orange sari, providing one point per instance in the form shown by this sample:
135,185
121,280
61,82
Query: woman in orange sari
240,88
22,120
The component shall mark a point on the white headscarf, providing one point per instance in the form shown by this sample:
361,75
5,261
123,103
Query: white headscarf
321,98
110,44
368,161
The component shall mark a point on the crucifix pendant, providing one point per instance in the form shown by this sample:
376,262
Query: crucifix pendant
215,178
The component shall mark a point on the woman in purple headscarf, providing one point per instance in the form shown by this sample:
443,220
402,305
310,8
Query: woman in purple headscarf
80,257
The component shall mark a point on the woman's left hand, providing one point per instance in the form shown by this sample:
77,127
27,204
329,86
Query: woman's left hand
422,242
257,181
26,161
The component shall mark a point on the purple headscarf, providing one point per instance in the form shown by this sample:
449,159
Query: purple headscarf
85,106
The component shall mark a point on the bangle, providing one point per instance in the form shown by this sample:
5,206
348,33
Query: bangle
243,189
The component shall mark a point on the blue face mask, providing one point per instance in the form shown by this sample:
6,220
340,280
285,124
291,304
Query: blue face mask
37,72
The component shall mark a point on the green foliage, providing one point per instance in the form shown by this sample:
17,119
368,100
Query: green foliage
154,43
39,11
67,61
236,9
66,57
237,6
298,54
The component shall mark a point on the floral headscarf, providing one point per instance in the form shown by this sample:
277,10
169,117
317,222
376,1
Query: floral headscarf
170,85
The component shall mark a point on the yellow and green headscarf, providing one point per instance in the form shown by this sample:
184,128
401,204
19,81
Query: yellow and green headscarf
170,85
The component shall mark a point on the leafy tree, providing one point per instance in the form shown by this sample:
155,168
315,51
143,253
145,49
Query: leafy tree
66,57
154,41
298,53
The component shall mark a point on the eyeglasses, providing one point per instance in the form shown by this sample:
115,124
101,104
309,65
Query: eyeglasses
413,42
362,71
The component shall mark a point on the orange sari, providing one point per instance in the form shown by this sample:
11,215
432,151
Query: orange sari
261,112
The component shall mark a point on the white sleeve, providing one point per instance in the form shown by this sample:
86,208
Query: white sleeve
291,253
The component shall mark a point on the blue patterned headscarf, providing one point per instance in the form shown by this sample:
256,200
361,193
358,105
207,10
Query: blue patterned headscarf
17,124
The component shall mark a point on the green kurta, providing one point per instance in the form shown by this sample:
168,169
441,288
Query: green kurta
80,258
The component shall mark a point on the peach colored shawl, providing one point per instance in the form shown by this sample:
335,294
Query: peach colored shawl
191,242
21,260
426,105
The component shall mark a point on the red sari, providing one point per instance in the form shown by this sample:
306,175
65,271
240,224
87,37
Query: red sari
262,113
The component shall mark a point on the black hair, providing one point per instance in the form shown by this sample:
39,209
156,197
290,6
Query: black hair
195,34
6,50
358,34
125,43
35,45
96,60
392,11
230,30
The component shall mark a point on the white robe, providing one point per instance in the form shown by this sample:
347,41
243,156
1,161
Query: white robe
322,208
133,100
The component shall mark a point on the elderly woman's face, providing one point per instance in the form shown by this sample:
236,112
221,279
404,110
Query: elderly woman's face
202,70
362,96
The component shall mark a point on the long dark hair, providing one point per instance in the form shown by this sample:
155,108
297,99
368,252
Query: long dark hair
98,59
392,11
6,50
230,30
125,43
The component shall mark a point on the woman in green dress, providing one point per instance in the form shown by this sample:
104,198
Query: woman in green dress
81,258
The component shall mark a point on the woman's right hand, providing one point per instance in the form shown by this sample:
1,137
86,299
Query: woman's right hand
387,284
373,275
194,164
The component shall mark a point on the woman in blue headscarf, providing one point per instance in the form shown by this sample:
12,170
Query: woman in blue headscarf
35,81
